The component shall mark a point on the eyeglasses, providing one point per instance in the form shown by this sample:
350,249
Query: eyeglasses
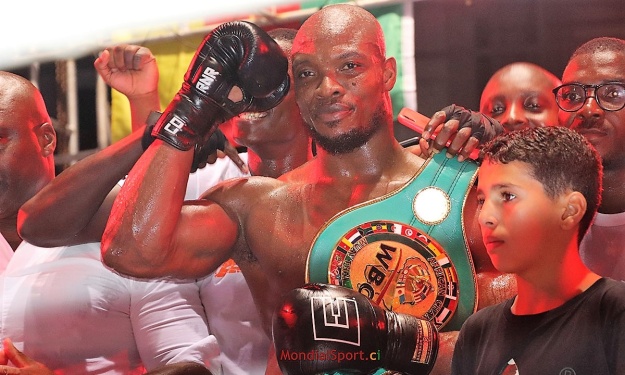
609,96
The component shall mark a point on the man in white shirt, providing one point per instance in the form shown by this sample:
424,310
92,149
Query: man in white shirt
61,305
277,141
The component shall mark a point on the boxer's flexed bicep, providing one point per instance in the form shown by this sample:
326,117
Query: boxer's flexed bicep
203,239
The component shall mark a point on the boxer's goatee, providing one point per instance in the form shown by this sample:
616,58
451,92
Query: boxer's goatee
351,140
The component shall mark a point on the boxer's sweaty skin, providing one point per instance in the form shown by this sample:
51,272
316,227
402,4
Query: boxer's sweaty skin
342,83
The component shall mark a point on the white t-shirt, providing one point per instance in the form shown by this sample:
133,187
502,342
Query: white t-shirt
232,315
64,308
234,319
603,247
6,253
209,176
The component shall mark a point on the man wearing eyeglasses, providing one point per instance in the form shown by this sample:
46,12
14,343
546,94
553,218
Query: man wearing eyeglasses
592,101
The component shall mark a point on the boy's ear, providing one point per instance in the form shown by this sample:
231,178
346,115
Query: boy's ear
574,209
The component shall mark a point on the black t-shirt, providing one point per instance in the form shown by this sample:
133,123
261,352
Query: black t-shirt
586,335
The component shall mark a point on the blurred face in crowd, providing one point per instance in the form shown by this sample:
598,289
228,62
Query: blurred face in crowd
520,95
27,142
281,124
604,129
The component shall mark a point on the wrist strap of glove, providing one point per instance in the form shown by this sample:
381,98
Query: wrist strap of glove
148,138
175,125
217,141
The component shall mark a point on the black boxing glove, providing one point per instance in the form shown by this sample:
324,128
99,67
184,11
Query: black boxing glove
483,128
327,328
216,141
235,54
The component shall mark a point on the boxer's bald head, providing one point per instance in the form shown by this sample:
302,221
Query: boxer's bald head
340,19
342,77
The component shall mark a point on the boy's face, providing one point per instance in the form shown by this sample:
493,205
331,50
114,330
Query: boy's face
517,219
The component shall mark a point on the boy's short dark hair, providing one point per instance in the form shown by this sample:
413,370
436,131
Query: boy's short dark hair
561,160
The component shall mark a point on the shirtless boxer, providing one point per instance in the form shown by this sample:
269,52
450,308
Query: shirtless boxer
342,82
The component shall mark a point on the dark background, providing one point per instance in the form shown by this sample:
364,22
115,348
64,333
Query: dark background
458,45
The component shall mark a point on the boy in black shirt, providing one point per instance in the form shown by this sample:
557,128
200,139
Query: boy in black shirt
538,191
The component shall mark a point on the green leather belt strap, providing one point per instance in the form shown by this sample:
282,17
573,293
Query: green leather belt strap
438,173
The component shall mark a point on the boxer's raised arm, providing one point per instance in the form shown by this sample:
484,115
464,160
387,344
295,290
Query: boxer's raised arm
150,233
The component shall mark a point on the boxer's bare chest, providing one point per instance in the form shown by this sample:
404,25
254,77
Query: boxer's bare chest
280,229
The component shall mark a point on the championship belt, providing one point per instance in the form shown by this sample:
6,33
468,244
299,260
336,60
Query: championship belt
407,250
